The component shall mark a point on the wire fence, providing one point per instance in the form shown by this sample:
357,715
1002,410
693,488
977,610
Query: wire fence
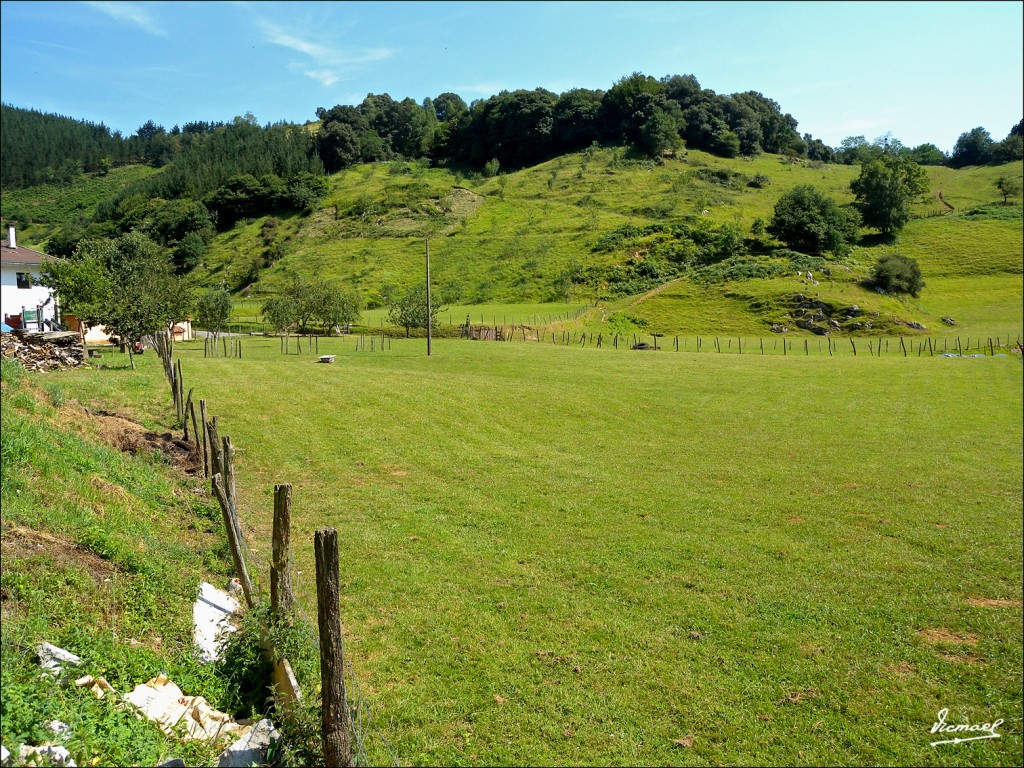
364,729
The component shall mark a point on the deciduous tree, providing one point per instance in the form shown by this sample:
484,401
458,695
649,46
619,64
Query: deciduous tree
884,191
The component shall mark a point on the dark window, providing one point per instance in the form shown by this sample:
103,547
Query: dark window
24,280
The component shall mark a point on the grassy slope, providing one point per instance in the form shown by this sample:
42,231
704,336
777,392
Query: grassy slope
48,205
568,556
102,555
509,239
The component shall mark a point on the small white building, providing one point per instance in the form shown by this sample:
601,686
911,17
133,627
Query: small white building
23,301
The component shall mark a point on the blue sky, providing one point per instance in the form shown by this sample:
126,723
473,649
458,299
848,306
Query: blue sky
926,71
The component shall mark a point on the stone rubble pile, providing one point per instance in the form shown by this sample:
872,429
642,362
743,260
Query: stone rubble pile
44,350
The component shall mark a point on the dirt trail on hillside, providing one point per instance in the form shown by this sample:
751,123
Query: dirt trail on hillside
938,194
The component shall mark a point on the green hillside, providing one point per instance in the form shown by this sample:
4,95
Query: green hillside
535,235
515,237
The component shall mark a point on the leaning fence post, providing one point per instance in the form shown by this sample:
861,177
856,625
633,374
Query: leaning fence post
280,576
206,439
227,466
335,715
234,537
185,412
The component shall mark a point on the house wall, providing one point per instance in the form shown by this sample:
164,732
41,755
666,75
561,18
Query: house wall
13,298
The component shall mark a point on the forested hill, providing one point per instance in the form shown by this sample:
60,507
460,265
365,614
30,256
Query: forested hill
515,129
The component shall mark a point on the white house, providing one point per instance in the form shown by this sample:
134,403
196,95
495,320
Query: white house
23,301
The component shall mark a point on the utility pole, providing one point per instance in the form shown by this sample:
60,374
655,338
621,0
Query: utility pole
428,296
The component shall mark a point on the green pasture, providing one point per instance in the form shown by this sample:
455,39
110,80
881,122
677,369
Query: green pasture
561,555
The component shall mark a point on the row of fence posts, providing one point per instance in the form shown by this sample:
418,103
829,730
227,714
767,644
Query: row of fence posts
218,456
312,343
232,346
385,342
567,338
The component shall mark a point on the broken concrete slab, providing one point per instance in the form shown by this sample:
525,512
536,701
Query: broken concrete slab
252,748
53,659
211,620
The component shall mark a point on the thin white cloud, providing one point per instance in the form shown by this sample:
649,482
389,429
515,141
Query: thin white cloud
331,64
129,12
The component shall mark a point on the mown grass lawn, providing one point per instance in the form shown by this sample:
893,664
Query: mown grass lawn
580,556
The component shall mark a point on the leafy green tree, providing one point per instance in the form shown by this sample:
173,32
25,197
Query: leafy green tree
972,148
279,312
895,273
660,134
885,190
127,285
408,307
806,220
1012,147
337,306
188,252
65,240
928,154
213,309
1008,187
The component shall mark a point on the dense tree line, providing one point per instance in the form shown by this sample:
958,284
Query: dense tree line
974,147
523,127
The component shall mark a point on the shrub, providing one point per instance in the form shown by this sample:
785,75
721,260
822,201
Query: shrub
895,273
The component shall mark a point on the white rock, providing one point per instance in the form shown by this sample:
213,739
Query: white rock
52,659
251,749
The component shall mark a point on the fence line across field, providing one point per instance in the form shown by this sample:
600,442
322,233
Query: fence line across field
351,724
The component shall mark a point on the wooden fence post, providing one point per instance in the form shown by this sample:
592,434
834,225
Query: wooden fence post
195,431
213,440
181,393
185,412
206,439
234,538
280,576
335,715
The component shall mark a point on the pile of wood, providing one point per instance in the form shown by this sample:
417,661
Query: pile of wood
44,350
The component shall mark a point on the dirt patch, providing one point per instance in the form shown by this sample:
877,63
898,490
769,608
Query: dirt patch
903,669
943,635
129,436
795,520
970,659
852,485
795,697
988,602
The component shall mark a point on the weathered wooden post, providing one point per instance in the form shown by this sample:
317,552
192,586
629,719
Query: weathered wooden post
335,715
206,439
234,538
196,439
427,242
185,412
281,599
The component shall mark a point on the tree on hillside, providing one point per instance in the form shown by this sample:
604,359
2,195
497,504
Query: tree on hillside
408,308
279,312
1008,187
127,285
1012,147
884,191
895,273
808,221
927,154
213,309
336,306
972,148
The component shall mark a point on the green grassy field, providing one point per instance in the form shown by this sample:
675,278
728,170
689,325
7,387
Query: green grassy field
555,555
